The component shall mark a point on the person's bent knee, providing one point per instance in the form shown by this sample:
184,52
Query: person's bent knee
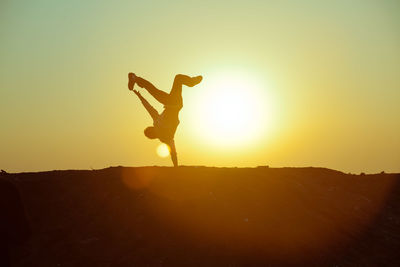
179,77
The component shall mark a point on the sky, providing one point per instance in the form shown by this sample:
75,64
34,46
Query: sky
320,78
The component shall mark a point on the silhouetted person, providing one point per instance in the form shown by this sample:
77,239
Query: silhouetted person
14,226
164,124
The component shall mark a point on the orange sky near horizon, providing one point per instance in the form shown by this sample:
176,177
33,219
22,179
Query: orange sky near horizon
322,83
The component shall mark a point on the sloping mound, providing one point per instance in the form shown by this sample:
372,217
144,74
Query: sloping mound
209,216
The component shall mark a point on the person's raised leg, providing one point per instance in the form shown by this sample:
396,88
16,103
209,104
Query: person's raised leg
187,80
176,91
161,96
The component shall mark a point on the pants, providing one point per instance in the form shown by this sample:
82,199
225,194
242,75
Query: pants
174,98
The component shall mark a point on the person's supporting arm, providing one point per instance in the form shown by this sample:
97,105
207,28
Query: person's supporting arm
174,156
152,111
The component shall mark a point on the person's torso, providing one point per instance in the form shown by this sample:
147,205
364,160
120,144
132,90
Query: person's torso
167,123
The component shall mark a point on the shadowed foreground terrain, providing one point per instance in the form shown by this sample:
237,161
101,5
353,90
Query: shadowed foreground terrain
209,216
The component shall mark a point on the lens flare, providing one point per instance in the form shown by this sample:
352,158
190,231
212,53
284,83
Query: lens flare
163,150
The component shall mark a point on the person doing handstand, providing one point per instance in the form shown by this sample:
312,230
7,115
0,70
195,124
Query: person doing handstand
164,124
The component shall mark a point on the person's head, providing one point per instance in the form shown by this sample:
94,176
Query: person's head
150,132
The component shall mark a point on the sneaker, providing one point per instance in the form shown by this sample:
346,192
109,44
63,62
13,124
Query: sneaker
131,82
195,80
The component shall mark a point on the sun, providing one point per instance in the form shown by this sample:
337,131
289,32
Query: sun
232,110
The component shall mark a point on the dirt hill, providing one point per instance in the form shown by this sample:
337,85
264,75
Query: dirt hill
209,216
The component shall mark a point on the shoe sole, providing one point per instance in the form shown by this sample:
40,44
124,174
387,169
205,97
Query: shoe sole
131,83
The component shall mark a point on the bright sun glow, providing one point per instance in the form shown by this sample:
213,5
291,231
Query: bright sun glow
163,150
232,110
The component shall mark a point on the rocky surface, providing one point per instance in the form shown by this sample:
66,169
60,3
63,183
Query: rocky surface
194,216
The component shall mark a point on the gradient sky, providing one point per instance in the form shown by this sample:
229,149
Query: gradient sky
329,71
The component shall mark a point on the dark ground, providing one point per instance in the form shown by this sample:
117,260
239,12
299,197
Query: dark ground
209,216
